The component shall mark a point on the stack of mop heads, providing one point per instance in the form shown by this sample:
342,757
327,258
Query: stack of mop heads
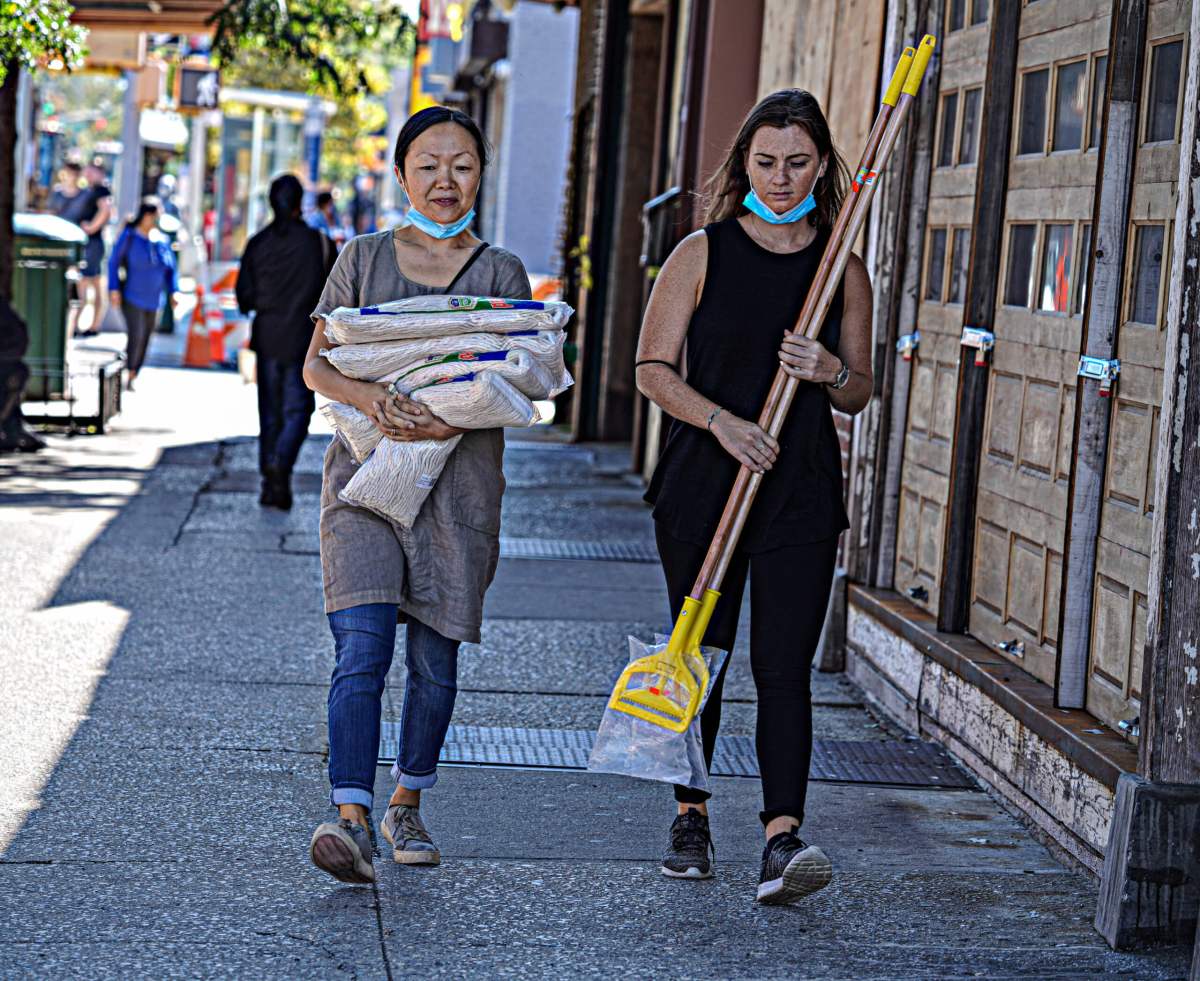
477,362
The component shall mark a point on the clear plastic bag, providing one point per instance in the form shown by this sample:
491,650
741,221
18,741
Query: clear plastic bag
439,315
634,747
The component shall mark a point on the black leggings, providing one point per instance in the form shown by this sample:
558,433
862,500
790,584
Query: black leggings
789,592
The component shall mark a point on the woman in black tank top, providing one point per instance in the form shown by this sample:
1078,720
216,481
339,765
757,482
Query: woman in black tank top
725,299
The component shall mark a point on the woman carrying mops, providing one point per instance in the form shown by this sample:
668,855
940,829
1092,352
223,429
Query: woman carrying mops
731,291
433,576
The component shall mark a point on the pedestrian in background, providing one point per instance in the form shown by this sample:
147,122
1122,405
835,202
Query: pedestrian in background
324,219
432,576
140,270
280,280
732,291
91,210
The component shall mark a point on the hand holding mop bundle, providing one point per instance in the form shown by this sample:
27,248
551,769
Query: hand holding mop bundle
476,362
651,726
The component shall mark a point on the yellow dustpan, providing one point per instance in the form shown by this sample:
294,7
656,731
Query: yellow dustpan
666,688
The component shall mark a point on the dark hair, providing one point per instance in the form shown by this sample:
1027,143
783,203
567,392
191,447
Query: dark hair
149,205
74,166
324,198
418,122
787,107
285,196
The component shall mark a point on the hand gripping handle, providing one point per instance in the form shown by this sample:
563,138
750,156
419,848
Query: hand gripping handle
917,72
892,95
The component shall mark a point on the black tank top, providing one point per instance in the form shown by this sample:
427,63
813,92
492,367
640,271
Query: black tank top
751,297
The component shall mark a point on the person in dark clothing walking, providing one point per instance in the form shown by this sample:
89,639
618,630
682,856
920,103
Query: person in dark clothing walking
282,273
732,291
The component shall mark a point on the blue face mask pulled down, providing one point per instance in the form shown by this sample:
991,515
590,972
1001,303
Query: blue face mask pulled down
756,206
435,229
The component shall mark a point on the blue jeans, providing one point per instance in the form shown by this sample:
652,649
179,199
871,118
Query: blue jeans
365,639
285,404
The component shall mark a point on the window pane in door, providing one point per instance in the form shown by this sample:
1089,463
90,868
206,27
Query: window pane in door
956,15
1099,84
960,255
1058,265
1081,275
1032,138
979,11
946,138
1019,282
1165,62
1070,103
1147,273
935,272
968,140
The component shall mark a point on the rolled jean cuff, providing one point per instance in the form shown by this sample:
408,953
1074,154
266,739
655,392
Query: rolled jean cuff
413,781
690,795
351,795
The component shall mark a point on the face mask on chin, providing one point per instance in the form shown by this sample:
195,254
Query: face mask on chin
757,206
435,229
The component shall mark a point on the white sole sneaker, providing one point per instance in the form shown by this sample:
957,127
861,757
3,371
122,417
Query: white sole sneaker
423,856
333,850
691,873
809,871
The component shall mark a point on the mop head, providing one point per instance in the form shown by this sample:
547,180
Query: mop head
397,477
440,316
651,725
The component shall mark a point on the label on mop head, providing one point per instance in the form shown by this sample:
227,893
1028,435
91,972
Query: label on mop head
864,178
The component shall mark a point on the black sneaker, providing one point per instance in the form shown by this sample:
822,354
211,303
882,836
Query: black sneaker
791,870
690,854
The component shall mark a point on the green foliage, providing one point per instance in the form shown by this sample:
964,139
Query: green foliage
325,39
33,31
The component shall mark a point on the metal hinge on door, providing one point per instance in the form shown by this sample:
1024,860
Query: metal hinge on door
1105,371
980,339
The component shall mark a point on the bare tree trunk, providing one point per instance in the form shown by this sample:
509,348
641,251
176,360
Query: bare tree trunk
8,146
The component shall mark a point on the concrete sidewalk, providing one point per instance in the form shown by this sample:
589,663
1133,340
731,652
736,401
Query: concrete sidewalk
164,664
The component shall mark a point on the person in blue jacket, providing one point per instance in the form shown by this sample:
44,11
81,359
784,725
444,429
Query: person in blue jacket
140,268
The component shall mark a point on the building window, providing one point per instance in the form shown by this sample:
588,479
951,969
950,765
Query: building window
1085,247
945,155
1099,83
979,11
1054,294
960,256
968,138
956,15
1019,282
1162,106
1147,274
1070,104
935,272
1031,136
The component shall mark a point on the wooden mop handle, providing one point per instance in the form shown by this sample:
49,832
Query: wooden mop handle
816,305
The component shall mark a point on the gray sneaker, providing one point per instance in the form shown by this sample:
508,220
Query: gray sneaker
404,830
344,850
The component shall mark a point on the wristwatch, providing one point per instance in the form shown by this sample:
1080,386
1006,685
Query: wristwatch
842,378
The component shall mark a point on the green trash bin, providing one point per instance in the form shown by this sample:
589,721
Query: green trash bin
46,247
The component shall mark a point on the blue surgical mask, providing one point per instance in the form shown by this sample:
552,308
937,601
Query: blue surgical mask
436,229
755,204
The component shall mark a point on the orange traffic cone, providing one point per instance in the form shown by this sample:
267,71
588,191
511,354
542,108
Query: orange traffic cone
198,351
215,321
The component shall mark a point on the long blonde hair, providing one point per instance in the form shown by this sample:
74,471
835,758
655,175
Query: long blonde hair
787,107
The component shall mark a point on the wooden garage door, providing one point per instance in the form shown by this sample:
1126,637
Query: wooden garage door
930,428
1025,465
1127,506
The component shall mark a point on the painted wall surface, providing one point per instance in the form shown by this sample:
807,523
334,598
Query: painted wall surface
531,160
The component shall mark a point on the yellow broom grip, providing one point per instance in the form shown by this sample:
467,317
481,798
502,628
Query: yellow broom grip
684,626
700,624
892,95
916,73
